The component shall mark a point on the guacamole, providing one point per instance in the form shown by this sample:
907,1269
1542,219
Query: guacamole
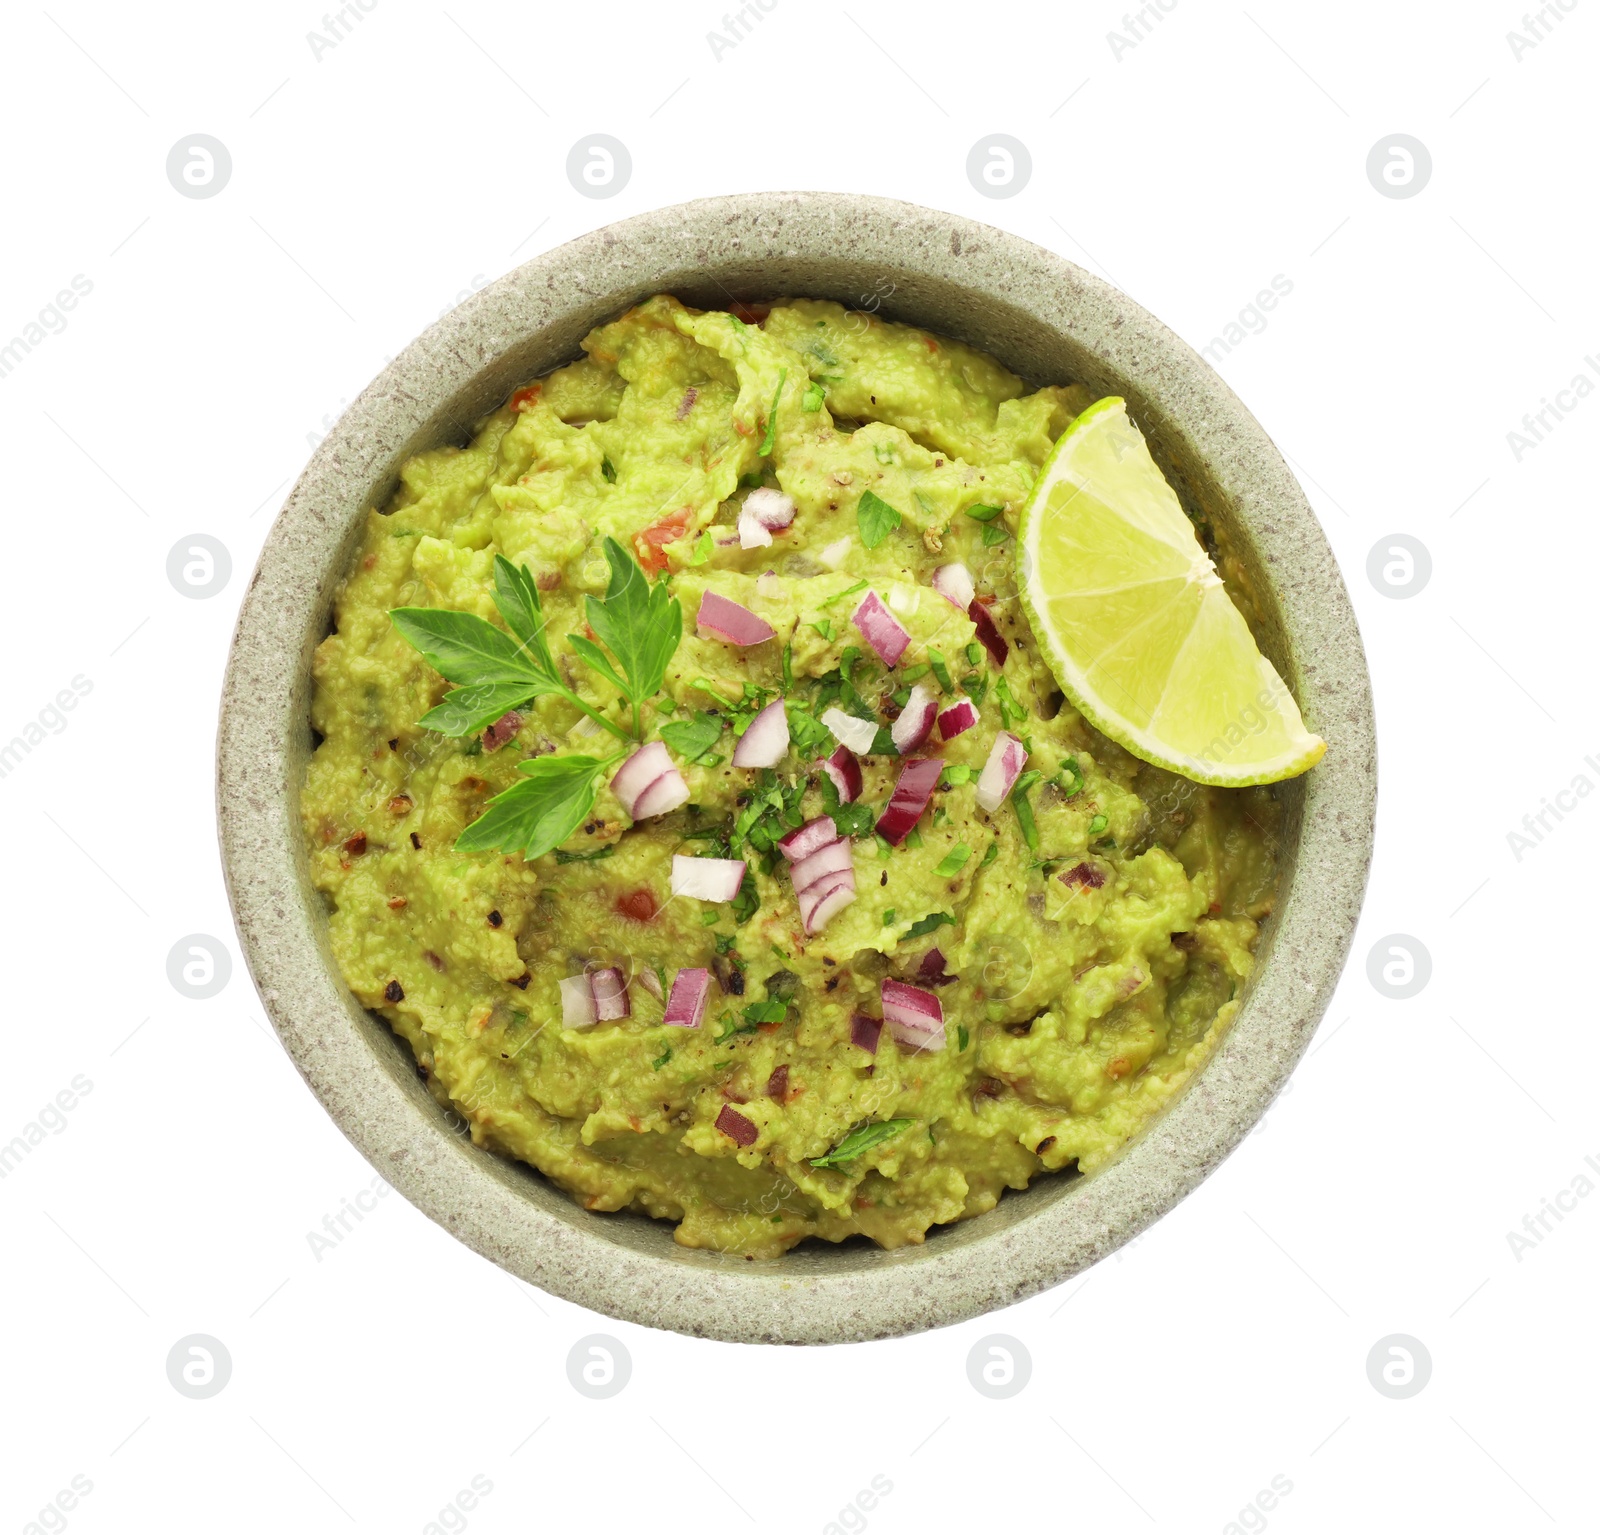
1083,943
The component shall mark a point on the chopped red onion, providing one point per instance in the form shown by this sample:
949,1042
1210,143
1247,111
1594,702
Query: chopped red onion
834,555
823,900
666,793
913,1015
1006,758
912,791
736,1127
955,584
577,1002
641,770
651,982
752,534
960,716
849,731
881,629
916,720
610,993
865,1031
845,772
707,879
990,637
1084,874
825,863
732,621
932,966
769,584
765,739
502,731
808,839
771,508
686,1003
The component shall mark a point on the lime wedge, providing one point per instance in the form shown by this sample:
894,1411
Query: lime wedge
1134,621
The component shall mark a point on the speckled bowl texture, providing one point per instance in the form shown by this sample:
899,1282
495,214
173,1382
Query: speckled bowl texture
1050,322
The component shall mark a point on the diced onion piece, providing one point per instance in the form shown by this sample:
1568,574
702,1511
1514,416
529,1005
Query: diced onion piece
932,967
865,1031
736,1127
845,772
916,720
960,716
641,770
752,533
912,791
666,793
769,584
732,621
914,1016
771,508
824,899
833,556
651,983
610,993
686,1002
577,1002
826,862
955,584
707,879
990,637
1006,757
881,629
857,734
808,839
765,739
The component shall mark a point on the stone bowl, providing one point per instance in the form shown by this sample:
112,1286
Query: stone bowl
1049,321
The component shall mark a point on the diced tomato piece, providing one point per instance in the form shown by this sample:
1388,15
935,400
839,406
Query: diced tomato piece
525,397
648,544
637,905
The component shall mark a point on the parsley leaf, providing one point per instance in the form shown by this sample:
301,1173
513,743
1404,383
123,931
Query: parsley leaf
812,399
540,812
875,518
770,1011
1011,712
692,738
862,1138
982,513
808,734
927,925
994,533
638,623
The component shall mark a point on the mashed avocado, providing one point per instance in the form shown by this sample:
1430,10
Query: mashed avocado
1092,932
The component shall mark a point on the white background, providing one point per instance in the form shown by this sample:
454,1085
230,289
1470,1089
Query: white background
371,188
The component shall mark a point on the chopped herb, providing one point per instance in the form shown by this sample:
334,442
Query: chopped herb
1019,803
875,518
594,857
692,738
1098,825
912,838
1011,712
888,917
941,670
751,480
770,1011
1070,778
725,942
954,860
710,918
472,748
914,674
705,687
839,596
974,654
982,513
975,685
806,731
994,534
991,855
810,401
853,820
609,470
882,744
703,547
862,1138
885,847
771,434
956,773
962,1036
824,627
731,1026
662,1059
926,925
788,667
747,902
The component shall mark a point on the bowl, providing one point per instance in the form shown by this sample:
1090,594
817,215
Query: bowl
1049,321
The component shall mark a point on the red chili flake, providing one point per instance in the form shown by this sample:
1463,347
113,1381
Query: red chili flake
400,805
394,992
686,404
990,637
502,730
778,1085
637,905
495,919
355,846
1084,874
434,960
735,1126
525,397
547,580
397,903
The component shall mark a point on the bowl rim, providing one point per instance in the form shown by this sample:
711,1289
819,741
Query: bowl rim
515,1218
